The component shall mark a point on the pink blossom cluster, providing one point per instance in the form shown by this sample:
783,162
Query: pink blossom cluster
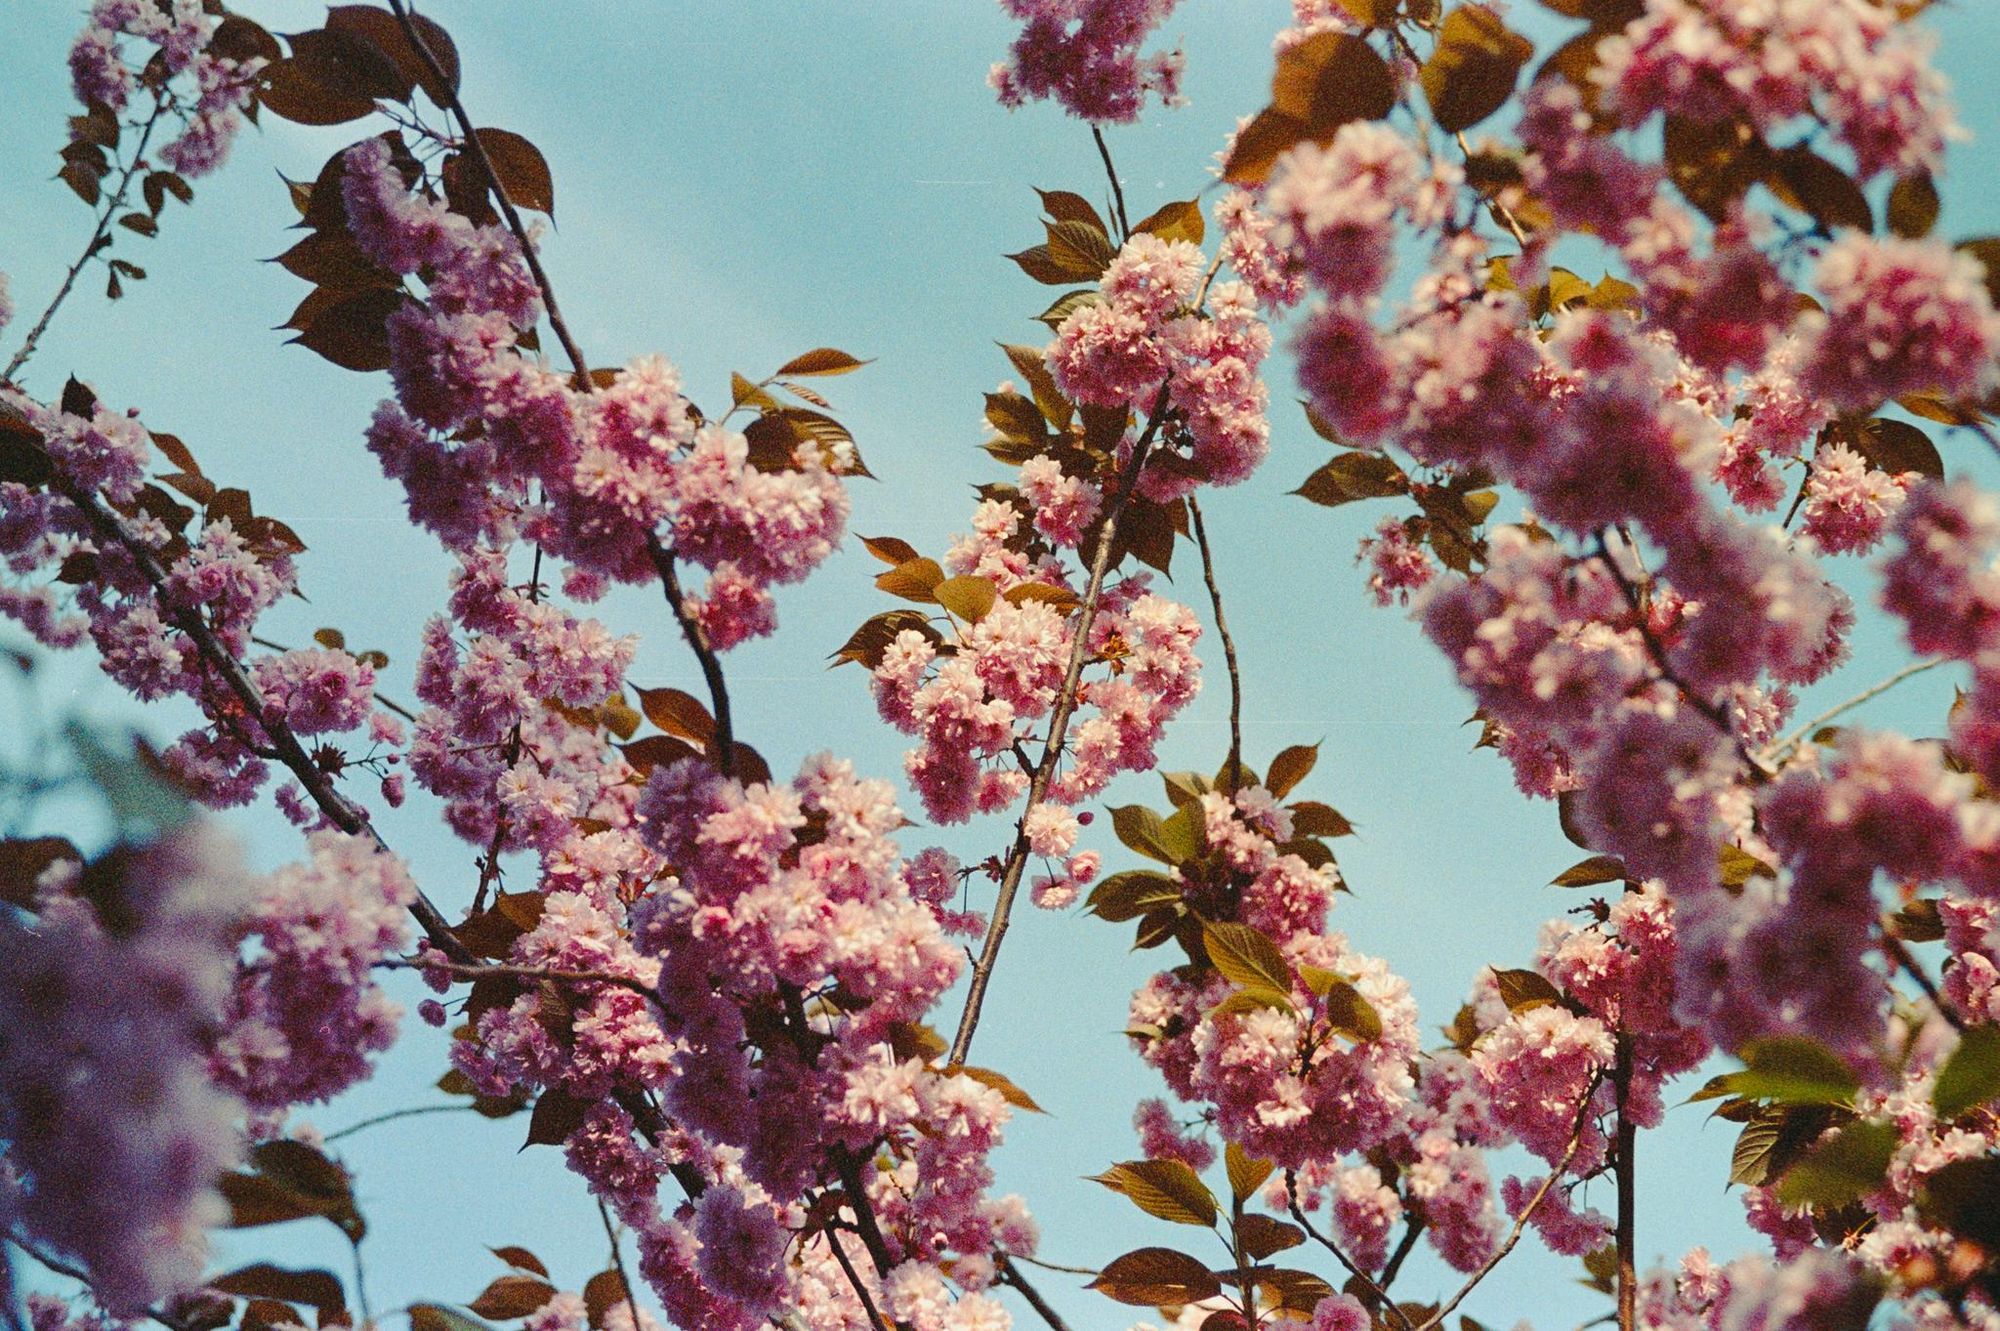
969,708
109,993
211,112
492,446
1855,65
772,957
67,583
493,740
305,1012
1144,335
1086,55
1818,1288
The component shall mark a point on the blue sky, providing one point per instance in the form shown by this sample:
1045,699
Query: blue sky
736,183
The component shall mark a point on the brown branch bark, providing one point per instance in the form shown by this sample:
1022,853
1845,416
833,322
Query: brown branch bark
1235,765
1011,1275
456,109
1623,1165
1065,706
112,204
711,664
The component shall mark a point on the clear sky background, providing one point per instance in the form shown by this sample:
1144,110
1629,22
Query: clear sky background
736,183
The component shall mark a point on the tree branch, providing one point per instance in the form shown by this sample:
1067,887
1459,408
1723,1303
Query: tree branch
1623,1165
456,109
1784,748
1117,190
711,664
91,247
342,812
1065,705
1437,1318
1235,765
1377,1297
1011,1275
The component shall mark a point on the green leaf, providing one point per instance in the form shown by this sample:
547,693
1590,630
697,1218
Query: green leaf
1246,1172
1913,205
1329,79
1597,869
1971,1076
437,1317
1262,1235
1312,818
998,1081
1473,70
1128,895
1793,1070
822,360
1351,1014
1176,221
1254,998
970,598
1352,476
1842,1169
1524,989
1140,829
1247,956
1164,1188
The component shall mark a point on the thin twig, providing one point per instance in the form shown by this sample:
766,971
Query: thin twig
481,970
456,109
618,1263
1521,1221
854,1279
385,704
1657,650
286,748
1052,1266
91,247
1065,705
394,1114
1624,1165
1403,1250
1378,1297
1117,191
1783,749
1009,1275
1898,955
1235,765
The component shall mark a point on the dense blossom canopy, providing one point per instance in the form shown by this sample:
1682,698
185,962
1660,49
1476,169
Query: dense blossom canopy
709,984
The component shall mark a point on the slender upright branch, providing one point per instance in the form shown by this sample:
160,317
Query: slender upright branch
1065,706
1228,645
1437,1318
1117,190
456,109
1011,1275
98,233
618,1263
1623,1164
1374,1297
854,1279
1403,1250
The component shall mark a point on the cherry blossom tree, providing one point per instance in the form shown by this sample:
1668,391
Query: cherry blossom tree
743,1003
